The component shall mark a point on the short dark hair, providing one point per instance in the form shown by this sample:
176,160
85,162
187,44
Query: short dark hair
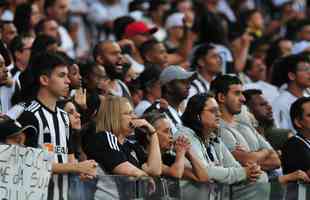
246,15
41,63
297,111
147,46
148,77
200,52
301,24
120,24
295,59
248,94
17,44
222,83
98,49
44,63
191,115
41,43
40,26
286,65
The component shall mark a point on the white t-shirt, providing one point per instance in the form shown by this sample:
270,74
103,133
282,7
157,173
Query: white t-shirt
6,93
281,109
66,42
99,12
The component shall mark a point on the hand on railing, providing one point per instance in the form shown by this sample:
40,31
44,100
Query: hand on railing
298,175
87,169
151,185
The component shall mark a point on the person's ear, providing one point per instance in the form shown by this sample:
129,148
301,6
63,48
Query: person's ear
148,56
200,62
17,54
148,89
220,98
291,76
298,123
99,59
44,80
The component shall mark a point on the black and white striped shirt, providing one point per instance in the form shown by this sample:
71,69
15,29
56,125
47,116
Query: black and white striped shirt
199,85
53,134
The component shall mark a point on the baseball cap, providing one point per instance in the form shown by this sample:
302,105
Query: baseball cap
175,72
174,20
10,127
138,27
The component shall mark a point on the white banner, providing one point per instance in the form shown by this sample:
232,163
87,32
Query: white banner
24,173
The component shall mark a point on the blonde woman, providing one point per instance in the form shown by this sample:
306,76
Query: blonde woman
109,146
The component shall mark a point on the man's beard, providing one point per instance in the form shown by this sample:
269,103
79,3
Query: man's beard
266,122
112,73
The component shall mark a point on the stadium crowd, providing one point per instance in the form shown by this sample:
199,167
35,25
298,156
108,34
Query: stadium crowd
206,90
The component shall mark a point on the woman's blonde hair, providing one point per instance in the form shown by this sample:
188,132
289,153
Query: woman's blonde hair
109,115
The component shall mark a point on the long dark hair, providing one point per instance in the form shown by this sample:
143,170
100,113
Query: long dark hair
194,108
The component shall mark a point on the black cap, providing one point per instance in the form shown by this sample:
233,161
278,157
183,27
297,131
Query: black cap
11,127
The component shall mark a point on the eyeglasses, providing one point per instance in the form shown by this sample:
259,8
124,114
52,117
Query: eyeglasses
214,111
305,67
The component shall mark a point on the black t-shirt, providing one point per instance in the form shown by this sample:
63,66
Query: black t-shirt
109,153
296,155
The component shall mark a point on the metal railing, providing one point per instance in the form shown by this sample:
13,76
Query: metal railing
122,187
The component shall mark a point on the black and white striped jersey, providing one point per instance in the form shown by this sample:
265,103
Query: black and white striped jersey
53,135
199,85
